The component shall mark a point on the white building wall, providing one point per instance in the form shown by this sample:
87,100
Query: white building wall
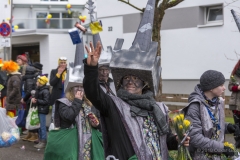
190,3
109,37
108,8
187,52
60,45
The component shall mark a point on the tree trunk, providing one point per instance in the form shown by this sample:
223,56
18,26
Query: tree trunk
158,17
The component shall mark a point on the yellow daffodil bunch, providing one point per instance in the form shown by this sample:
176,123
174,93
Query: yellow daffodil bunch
232,78
181,126
230,145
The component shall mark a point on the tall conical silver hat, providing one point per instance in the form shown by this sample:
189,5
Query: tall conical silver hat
106,55
236,18
75,73
141,59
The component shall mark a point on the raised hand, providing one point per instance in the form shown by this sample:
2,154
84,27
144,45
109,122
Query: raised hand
94,54
61,69
79,95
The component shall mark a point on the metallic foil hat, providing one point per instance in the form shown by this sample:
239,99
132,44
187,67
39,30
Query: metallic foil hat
75,72
106,55
141,59
236,18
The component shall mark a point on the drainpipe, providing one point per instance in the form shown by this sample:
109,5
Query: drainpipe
10,49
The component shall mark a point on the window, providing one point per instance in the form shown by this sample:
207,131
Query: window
55,0
214,14
59,20
55,20
110,28
41,20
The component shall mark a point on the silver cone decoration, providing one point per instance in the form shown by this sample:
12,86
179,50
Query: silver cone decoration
141,59
236,18
75,73
105,56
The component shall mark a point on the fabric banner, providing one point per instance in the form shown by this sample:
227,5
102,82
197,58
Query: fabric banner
56,145
97,152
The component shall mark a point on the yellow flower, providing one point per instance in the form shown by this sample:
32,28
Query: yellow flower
180,127
175,119
186,123
229,145
181,116
231,76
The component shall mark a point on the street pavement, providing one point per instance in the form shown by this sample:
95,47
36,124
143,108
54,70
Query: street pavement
16,153
30,153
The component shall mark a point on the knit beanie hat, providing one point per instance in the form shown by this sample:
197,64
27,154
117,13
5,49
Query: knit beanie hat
42,80
22,57
37,65
211,79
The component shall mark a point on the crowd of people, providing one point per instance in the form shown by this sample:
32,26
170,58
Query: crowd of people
101,110
133,124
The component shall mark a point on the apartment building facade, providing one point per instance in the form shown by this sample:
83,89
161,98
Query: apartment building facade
45,40
196,36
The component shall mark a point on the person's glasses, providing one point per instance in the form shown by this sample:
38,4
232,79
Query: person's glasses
133,78
63,58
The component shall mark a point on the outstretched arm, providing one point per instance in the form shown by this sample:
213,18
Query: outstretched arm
91,85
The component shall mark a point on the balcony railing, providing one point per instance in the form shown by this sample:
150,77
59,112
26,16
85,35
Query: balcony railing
40,23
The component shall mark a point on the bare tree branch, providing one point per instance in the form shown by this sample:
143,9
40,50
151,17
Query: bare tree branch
173,3
237,54
230,58
130,4
229,3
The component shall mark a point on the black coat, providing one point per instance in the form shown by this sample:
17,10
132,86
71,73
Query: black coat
57,87
118,139
68,114
3,81
42,95
30,79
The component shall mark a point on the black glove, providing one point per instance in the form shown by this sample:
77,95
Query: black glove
237,131
237,137
237,142
231,128
228,152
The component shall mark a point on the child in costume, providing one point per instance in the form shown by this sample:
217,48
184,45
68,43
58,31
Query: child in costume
13,101
41,100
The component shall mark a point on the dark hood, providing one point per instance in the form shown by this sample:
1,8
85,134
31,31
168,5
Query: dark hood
196,94
43,87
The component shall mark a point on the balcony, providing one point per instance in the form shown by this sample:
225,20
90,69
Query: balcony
25,3
40,23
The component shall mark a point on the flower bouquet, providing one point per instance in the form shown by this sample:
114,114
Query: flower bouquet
182,128
236,156
233,80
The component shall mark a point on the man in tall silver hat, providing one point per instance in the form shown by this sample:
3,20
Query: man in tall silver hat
136,126
104,72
